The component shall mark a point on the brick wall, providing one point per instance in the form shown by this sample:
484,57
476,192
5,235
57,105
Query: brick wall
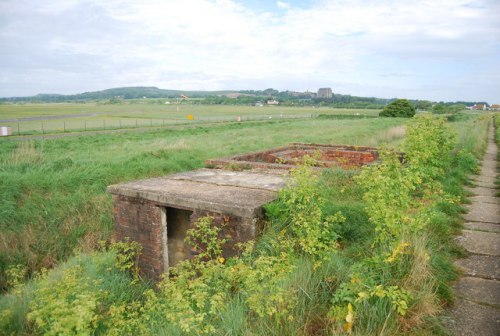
345,158
140,220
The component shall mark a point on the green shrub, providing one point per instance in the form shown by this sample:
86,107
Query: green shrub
314,232
68,308
398,108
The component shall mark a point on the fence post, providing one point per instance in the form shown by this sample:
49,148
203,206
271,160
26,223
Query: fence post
120,123
151,122
43,130
18,132
85,125
64,127
104,124
135,123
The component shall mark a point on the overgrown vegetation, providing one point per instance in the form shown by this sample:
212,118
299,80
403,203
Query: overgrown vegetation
342,253
53,197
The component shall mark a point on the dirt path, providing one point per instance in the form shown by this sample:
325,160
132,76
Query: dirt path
477,311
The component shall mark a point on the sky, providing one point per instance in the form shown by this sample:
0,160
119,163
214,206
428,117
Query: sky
440,50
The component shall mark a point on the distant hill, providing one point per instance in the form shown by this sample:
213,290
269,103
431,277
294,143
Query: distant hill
231,97
123,93
226,97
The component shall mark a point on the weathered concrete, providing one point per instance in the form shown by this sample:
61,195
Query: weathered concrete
485,199
477,311
480,226
479,290
480,242
245,179
485,180
236,193
468,318
483,266
483,212
483,191
486,185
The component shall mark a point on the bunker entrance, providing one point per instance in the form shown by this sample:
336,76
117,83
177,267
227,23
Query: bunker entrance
177,225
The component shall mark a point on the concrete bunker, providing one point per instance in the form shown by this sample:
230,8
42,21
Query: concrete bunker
157,212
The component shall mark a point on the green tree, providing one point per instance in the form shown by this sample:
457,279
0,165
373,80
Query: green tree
398,108
440,109
447,108
423,105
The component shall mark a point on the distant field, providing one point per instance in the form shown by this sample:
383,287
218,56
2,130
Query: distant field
55,118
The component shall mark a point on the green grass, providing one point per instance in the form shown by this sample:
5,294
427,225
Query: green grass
131,115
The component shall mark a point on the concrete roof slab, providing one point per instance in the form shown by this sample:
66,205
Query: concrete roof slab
237,193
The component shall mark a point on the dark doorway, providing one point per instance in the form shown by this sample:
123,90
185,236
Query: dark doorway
177,226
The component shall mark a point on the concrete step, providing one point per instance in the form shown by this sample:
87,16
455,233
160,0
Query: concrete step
483,212
483,191
485,199
481,266
471,319
479,290
478,242
480,226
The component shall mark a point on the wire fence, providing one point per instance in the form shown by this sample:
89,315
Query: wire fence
91,125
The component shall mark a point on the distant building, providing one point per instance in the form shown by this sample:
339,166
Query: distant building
495,107
325,93
310,94
272,102
479,107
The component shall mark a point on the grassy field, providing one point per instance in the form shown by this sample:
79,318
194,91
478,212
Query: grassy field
53,205
51,118
52,192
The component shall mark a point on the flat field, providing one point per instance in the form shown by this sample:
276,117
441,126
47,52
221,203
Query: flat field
56,118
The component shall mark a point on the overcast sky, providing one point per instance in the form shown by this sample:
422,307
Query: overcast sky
419,49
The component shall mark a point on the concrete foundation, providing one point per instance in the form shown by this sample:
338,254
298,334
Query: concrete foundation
328,156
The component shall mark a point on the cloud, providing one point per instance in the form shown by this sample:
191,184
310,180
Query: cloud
224,44
282,5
